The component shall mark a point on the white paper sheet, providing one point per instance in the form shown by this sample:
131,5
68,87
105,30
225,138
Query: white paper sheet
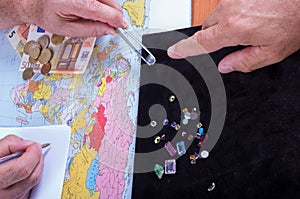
51,183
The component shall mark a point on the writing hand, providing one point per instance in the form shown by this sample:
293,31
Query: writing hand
20,175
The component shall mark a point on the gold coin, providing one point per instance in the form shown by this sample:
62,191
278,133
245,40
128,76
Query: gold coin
44,41
45,56
57,39
46,68
32,61
35,52
28,46
27,73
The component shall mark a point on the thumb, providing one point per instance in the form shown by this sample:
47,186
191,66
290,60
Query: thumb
248,59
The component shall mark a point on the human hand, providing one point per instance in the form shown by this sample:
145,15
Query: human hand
270,30
20,175
74,17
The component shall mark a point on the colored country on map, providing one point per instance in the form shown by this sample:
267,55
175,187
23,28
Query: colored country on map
136,11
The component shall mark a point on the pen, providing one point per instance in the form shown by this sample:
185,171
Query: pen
129,38
18,154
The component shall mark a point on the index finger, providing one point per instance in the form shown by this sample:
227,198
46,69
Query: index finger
204,41
95,10
18,169
11,144
112,3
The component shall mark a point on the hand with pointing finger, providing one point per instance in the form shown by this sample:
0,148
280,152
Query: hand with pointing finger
270,29
65,17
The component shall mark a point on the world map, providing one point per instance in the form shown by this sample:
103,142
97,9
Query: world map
100,106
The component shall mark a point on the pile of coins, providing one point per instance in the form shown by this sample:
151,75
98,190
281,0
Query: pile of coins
39,51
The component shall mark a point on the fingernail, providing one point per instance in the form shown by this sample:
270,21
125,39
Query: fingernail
173,54
111,32
125,22
226,68
171,49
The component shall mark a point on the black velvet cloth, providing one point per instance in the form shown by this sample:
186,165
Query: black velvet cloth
257,155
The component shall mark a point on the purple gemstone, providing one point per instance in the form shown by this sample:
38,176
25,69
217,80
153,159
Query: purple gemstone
200,144
165,122
174,124
198,136
194,116
197,156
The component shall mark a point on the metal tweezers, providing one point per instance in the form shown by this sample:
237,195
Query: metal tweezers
124,33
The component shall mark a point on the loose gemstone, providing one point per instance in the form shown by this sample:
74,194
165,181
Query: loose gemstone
193,161
199,125
181,148
204,154
201,131
177,127
185,121
198,136
185,110
174,124
194,116
157,139
192,157
165,122
169,147
159,171
170,166
153,123
211,187
190,138
187,115
172,98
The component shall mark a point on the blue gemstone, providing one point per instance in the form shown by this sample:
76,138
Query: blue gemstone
201,131
181,148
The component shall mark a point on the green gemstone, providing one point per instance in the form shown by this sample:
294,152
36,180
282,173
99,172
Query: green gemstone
159,171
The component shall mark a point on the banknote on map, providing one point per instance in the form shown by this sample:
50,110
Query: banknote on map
17,36
66,55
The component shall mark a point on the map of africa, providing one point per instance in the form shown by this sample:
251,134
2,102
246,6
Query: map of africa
99,105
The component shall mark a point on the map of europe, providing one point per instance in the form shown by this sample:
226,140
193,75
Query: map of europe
99,105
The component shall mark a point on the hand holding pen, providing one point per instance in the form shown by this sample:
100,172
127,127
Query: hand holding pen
19,175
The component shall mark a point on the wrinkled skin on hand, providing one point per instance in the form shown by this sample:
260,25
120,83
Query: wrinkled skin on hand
269,28
65,17
18,176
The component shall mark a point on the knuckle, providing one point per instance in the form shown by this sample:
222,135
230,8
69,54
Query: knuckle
10,138
35,178
24,172
199,39
95,7
95,32
246,68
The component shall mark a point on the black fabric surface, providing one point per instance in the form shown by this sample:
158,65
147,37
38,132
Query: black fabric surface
257,155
